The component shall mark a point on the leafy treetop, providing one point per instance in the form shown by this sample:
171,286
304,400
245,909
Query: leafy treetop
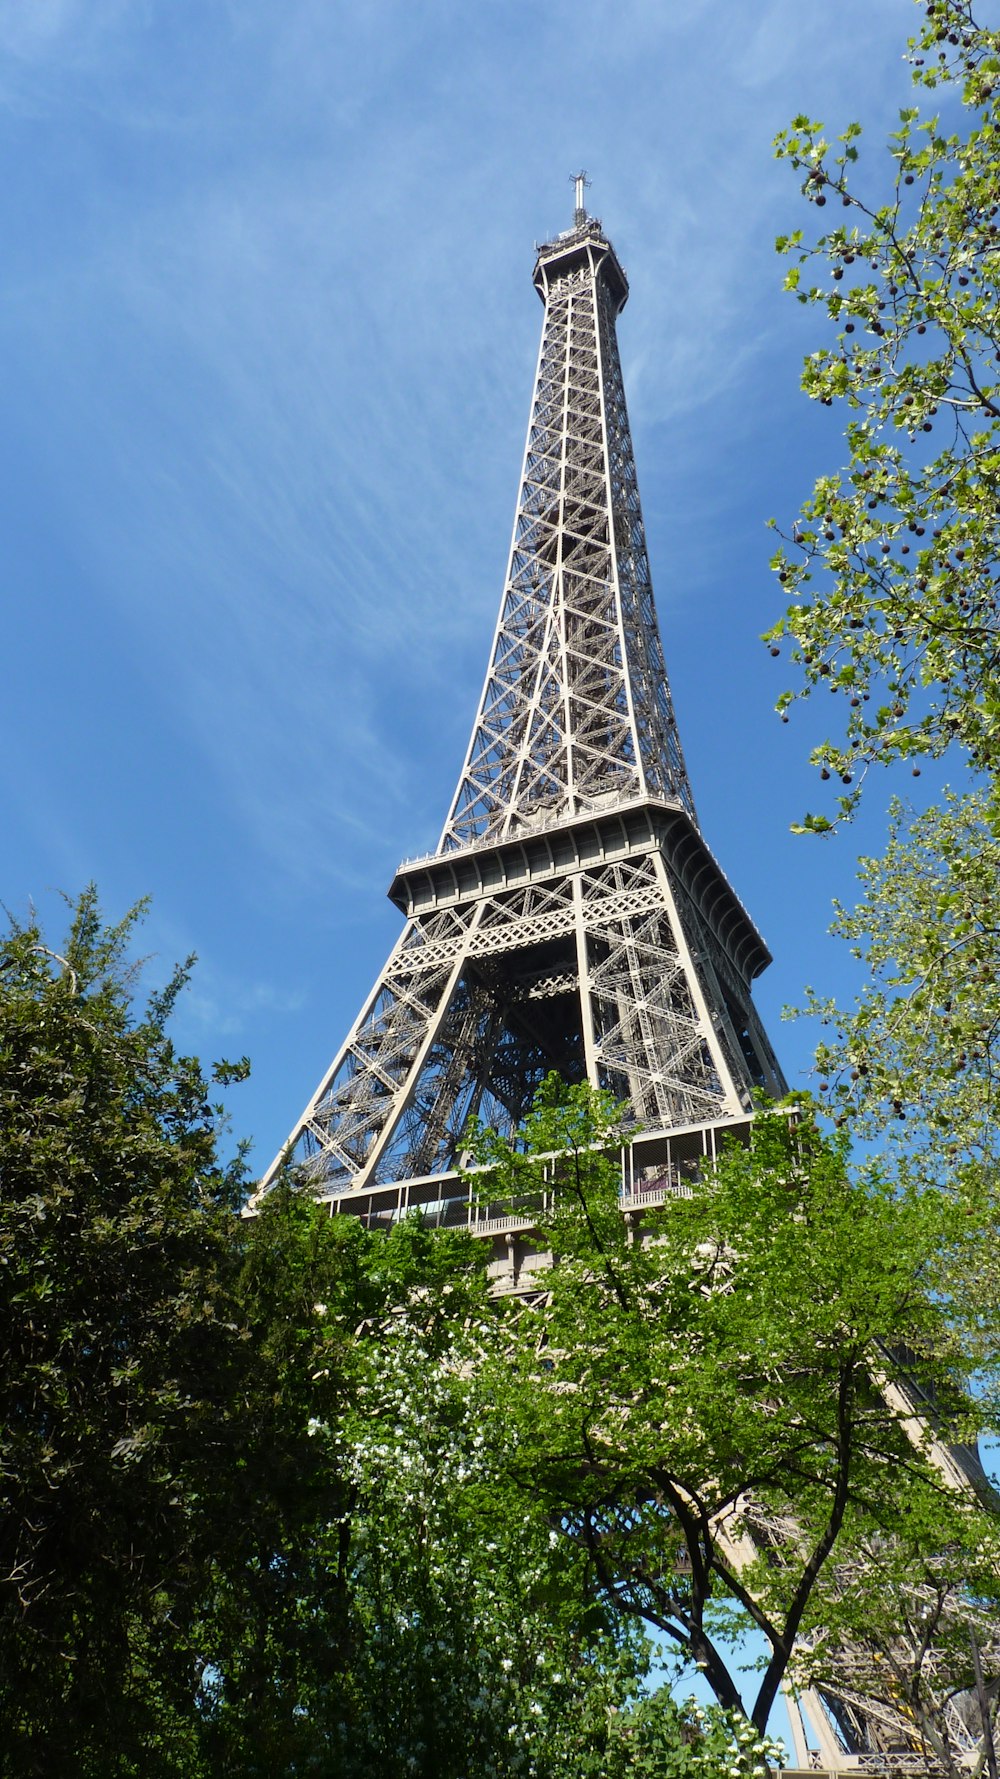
891,568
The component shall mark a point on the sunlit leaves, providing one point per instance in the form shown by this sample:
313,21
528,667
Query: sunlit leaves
121,1355
891,568
719,1369
919,1056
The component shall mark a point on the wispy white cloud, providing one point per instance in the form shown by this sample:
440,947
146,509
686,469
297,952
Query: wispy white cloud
217,1003
299,363
38,30
268,317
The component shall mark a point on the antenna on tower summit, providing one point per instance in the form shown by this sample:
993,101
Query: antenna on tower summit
581,182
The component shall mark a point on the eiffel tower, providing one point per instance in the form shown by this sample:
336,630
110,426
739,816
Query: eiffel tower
572,916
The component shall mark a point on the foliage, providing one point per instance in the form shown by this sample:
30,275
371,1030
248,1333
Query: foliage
256,1517
721,1460
289,1495
410,1625
892,565
461,1637
891,569
939,1590
119,1353
484,1645
914,1065
663,1739
479,1643
927,927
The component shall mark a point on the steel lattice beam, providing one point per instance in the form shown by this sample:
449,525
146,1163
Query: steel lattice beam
537,936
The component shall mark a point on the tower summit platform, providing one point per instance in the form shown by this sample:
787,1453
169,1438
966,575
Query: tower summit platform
584,245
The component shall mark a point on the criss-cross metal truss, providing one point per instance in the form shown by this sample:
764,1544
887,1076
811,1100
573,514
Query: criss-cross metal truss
572,917
576,710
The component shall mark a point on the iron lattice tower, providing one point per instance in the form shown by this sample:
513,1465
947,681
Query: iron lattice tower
572,917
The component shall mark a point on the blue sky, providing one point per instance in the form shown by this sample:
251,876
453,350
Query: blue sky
269,333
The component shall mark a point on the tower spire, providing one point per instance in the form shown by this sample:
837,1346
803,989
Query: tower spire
576,708
580,182
571,917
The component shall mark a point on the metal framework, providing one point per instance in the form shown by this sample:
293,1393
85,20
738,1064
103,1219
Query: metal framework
572,917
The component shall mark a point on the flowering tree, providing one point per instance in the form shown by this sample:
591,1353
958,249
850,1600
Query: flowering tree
257,1513
476,1646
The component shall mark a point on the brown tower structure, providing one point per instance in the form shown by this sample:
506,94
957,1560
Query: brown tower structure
572,916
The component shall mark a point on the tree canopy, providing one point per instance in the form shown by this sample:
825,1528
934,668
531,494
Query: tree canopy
256,1513
121,1349
891,567
713,1400
891,570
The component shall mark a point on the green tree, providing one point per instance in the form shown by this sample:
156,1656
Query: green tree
257,1513
479,1638
712,1401
396,1620
120,1350
891,567
928,930
412,1611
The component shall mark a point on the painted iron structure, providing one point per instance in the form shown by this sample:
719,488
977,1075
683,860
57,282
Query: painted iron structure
572,916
